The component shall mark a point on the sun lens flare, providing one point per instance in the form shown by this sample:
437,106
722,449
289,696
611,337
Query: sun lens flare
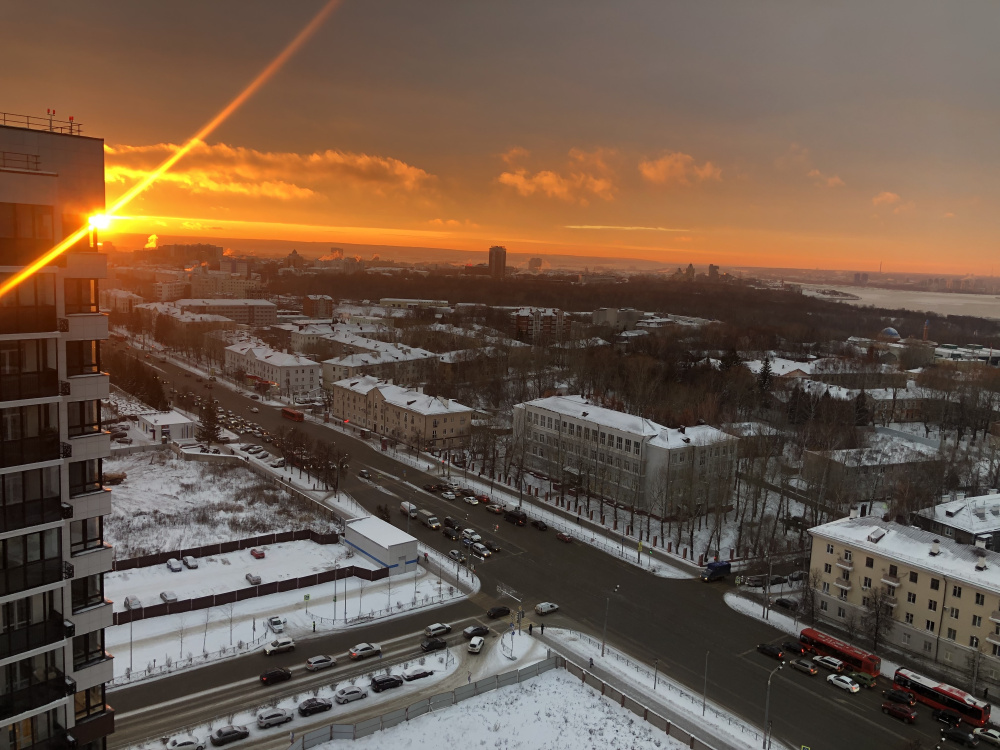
263,77
99,221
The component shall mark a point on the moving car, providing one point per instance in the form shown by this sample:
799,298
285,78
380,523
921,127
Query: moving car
229,733
471,535
364,474
901,696
988,735
499,611
417,673
473,630
448,495
905,713
438,628
253,579
456,555
828,662
278,674
769,649
168,597
257,553
956,734
491,546
382,682
843,682
279,645
276,624
476,644
350,693
544,608
174,565
790,604
451,533
863,679
190,562
791,648
312,706
273,717
803,665
433,644
323,661
185,742
944,716
365,650
562,536
479,550
254,410
540,525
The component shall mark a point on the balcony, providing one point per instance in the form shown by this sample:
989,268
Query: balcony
94,727
54,688
889,580
845,564
88,326
92,445
32,575
39,319
94,617
95,672
30,385
842,583
29,450
34,636
995,617
890,601
88,386
993,638
93,561
31,513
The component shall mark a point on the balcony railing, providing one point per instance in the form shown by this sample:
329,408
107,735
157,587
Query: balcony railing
49,123
29,450
33,636
31,513
842,583
890,601
19,160
890,580
94,727
845,564
995,617
54,688
30,385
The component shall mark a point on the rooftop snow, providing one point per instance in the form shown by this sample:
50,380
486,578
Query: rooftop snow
379,531
977,515
578,407
165,417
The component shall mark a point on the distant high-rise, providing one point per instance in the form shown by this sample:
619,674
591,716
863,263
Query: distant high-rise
535,264
498,261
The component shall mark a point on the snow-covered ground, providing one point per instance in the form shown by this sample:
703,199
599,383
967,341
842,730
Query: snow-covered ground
168,503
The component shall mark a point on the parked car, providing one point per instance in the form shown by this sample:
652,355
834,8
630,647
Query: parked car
382,682
279,645
278,674
132,602
803,665
540,525
471,535
499,611
253,579
185,742
416,673
312,706
448,495
544,608
168,597
491,546
255,397
323,661
476,644
791,648
350,693
944,716
174,565
257,553
863,679
900,696
279,464
364,650
433,644
273,717
754,582
988,735
959,735
438,628
190,562
431,487
451,533
471,500
230,733
828,662
475,630
276,624
769,649
790,604
494,508
900,711
457,556
562,536
843,682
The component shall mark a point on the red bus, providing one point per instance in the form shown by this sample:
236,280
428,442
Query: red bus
293,414
853,657
942,695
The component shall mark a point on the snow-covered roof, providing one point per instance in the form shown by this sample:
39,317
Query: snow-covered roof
407,398
883,451
380,532
912,546
699,435
888,394
224,302
578,407
976,515
781,368
158,418
271,356
380,354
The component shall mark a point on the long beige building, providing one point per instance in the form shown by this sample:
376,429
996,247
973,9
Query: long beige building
945,596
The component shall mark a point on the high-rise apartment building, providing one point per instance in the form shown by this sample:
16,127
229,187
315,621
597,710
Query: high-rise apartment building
53,666
498,261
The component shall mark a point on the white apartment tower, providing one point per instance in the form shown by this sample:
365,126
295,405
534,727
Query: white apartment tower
53,666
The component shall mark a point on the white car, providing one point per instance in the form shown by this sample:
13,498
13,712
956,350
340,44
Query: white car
174,565
185,742
350,693
276,624
448,495
316,663
273,717
279,464
471,535
480,550
190,562
476,644
364,650
843,682
279,645
989,736
545,608
254,410
471,500
438,628
828,662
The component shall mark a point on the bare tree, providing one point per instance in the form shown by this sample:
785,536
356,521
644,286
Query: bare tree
876,618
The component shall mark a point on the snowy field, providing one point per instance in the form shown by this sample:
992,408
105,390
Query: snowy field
168,503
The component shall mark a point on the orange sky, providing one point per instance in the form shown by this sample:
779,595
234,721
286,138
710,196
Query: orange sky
768,134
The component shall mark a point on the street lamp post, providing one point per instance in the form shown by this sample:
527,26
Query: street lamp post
767,708
704,692
607,606
656,670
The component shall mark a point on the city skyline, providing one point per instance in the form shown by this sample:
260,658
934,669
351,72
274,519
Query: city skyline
763,136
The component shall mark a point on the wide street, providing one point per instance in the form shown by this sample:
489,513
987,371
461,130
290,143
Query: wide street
676,621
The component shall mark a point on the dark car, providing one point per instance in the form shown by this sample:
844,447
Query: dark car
769,649
382,682
227,734
314,706
900,711
278,674
794,649
433,644
500,611
451,533
431,487
955,734
899,696
540,525
754,582
491,546
777,580
790,604
562,536
949,718
476,630
451,523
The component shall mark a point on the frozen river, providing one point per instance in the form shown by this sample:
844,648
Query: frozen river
977,305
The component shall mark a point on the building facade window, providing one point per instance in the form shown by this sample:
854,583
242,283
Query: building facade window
86,534
980,599
977,621
908,618
85,476
911,598
935,584
913,577
87,592
956,591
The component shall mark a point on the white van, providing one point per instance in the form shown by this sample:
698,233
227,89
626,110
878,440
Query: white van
408,509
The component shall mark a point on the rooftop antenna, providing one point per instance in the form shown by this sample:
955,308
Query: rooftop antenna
51,113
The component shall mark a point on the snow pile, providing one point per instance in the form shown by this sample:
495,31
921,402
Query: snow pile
167,503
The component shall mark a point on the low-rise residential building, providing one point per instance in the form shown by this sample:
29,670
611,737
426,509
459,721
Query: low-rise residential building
399,303
541,324
944,597
318,306
169,425
291,374
205,283
189,324
964,519
409,416
251,312
119,301
404,364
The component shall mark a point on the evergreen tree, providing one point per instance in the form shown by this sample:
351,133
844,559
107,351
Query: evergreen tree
862,414
208,425
764,378
730,360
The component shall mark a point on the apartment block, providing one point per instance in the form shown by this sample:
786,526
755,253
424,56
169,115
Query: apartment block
53,666
250,312
292,374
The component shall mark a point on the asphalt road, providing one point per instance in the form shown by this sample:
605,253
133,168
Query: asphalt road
676,621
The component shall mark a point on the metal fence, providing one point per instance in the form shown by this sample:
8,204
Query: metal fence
425,706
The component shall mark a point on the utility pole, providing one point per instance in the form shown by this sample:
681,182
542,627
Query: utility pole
767,709
704,692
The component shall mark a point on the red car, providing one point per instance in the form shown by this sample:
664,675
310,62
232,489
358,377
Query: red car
900,711
562,536
257,554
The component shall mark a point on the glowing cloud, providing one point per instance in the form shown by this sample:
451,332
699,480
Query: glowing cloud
885,198
821,179
588,175
676,168
151,242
